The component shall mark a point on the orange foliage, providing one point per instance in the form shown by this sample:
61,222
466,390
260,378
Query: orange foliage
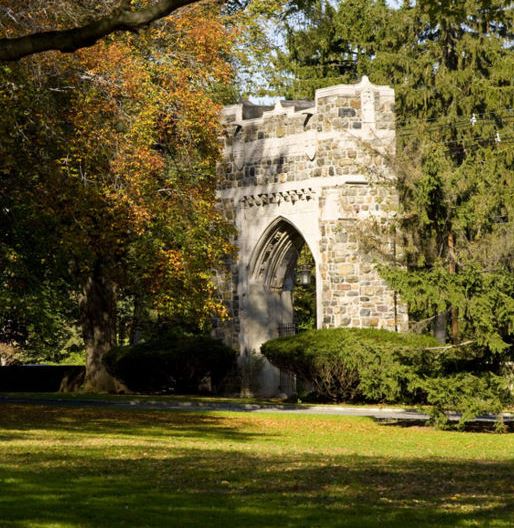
124,135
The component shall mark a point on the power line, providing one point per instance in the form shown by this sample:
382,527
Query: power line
458,124
469,118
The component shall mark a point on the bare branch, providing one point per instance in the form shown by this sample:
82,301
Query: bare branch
448,347
69,40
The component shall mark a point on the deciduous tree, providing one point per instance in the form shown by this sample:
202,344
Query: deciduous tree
105,18
108,153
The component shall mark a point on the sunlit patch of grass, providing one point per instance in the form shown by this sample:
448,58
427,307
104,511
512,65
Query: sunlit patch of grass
96,468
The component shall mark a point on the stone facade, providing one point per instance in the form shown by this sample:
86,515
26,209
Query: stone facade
307,172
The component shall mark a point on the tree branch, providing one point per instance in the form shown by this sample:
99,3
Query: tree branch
447,347
69,40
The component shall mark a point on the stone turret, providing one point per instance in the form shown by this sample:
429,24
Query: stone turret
304,172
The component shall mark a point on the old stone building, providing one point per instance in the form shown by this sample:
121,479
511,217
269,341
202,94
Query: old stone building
307,172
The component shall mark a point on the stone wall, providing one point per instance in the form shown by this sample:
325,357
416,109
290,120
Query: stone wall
315,171
353,292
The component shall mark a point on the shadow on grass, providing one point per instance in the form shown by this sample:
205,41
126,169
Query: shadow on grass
475,427
221,481
215,488
110,421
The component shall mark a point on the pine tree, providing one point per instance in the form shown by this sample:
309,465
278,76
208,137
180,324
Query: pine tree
453,79
452,67
326,45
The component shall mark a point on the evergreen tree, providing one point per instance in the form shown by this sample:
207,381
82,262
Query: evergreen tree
327,45
453,79
452,67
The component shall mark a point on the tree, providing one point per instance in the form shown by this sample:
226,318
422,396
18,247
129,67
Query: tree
453,77
108,154
111,16
121,17
327,44
452,67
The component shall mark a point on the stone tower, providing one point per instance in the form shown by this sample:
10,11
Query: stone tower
307,172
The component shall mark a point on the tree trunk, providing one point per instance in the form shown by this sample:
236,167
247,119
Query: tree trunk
98,313
440,322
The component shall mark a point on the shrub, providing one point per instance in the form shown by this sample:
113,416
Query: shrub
352,364
468,380
468,394
172,363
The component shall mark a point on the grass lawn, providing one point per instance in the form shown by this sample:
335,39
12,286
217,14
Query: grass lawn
189,398
109,468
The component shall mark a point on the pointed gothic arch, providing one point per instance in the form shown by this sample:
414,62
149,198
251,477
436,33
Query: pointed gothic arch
274,257
270,280
268,296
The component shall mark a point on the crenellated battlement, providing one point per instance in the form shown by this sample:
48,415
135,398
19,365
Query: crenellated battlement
298,140
361,106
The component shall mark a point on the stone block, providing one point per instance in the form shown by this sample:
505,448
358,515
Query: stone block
346,112
346,269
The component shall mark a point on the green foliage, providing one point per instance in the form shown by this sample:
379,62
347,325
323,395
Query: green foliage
172,362
36,319
328,43
485,301
469,394
304,295
304,307
352,364
73,354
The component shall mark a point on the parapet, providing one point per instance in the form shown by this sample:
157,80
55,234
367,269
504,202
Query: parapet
299,140
363,108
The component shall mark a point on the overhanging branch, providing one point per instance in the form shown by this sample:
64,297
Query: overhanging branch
69,40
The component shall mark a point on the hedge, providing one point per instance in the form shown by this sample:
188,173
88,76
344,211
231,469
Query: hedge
172,363
39,378
354,364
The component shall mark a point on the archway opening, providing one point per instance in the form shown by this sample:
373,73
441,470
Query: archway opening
281,294
304,292
283,282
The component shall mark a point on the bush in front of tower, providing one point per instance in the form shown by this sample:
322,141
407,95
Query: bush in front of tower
172,363
370,365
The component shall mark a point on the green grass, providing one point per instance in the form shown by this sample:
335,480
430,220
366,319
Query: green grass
110,468
130,397
147,398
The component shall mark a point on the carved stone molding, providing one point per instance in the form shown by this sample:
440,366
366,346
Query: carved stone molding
263,199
